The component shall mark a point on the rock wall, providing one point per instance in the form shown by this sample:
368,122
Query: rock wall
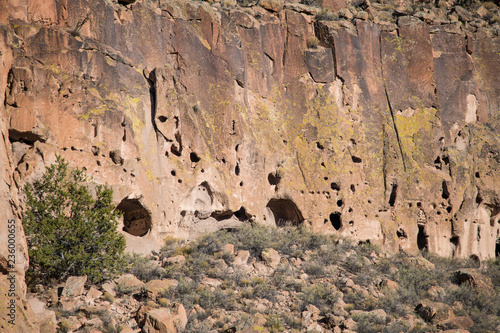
377,125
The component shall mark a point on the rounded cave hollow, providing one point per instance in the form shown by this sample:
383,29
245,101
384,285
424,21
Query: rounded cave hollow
136,218
285,212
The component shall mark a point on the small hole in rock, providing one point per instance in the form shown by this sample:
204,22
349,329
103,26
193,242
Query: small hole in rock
353,188
477,175
241,183
479,199
237,169
162,119
335,186
401,233
173,173
437,163
340,203
194,158
179,181
319,146
356,159
273,178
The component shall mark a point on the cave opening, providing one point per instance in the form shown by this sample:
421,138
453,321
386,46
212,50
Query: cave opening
497,248
392,198
336,220
445,194
285,212
136,218
422,239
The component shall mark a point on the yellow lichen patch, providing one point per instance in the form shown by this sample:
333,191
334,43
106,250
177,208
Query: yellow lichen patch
413,131
97,111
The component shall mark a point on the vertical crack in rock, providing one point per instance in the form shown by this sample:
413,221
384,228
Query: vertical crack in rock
391,111
394,124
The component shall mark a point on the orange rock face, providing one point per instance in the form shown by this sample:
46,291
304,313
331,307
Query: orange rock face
202,117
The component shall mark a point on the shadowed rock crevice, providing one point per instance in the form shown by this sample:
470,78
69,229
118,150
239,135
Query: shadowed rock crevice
285,212
336,220
422,239
136,218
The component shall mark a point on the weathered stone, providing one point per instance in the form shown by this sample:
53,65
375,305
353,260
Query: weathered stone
228,248
165,321
475,279
434,312
128,284
154,288
272,5
92,294
389,285
241,258
221,99
271,257
320,64
175,260
45,317
109,287
462,322
75,286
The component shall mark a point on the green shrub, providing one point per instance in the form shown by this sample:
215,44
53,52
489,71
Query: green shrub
145,269
69,231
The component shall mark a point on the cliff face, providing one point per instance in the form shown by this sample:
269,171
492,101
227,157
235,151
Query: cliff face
204,116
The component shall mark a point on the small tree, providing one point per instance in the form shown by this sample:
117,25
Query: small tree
70,231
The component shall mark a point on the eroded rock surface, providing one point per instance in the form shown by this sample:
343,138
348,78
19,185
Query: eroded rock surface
202,116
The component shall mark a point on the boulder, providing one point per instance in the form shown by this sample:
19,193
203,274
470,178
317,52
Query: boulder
241,258
75,286
271,257
434,312
92,294
474,279
165,320
175,260
129,284
45,317
109,287
462,322
154,288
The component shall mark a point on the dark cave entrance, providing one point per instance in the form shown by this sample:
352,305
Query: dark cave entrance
422,238
497,248
136,218
285,212
336,220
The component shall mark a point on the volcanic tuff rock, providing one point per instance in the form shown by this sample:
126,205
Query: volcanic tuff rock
203,116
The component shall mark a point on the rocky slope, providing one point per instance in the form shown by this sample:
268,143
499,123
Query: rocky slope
267,280
375,121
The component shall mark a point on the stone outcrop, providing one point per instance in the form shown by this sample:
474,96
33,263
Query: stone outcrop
376,124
